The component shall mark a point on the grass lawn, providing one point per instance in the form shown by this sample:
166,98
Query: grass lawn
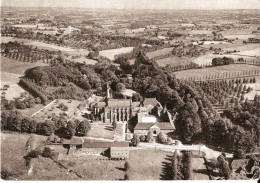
101,131
97,169
215,70
173,61
29,111
110,54
12,152
199,169
149,164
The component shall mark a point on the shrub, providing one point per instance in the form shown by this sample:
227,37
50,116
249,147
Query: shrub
142,138
162,138
47,152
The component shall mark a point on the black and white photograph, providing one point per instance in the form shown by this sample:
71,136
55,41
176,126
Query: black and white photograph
131,90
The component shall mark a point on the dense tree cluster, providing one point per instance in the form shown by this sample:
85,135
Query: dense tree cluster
222,61
190,50
181,165
14,121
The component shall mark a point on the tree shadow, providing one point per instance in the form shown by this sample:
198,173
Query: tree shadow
122,169
202,171
109,128
166,169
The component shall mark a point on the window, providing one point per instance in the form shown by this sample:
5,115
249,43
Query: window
154,132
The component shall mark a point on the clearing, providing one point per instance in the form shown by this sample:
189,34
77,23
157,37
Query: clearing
111,53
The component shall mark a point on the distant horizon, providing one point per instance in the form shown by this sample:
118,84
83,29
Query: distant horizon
137,4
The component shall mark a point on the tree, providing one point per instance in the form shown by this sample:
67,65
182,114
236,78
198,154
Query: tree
83,128
135,140
47,152
45,128
142,138
239,154
162,138
187,168
149,137
126,166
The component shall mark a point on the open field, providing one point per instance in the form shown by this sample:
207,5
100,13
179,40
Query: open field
149,164
17,67
215,70
157,53
111,53
11,70
34,26
173,61
250,53
207,59
13,150
97,170
101,131
39,44
243,47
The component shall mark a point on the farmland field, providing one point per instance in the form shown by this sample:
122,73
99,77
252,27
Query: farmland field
110,54
250,53
215,70
256,89
173,61
156,53
38,44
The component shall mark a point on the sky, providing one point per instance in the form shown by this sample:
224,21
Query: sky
138,4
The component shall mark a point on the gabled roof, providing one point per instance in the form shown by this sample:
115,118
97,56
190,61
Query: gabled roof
165,126
119,103
150,101
104,144
161,125
143,126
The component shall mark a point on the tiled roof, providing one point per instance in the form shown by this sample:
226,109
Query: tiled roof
143,126
104,144
119,103
161,125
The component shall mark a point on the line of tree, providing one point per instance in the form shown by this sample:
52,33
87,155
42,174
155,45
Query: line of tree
181,165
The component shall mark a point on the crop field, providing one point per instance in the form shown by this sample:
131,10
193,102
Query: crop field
157,53
173,61
244,47
111,53
215,70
